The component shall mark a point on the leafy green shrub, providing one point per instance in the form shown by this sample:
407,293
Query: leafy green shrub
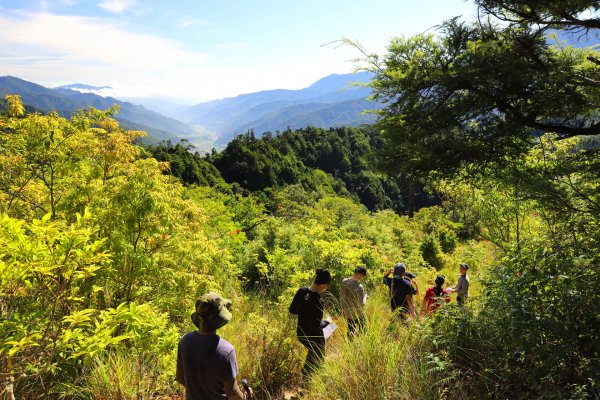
533,332
448,240
430,250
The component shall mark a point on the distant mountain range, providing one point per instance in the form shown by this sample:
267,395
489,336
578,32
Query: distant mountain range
331,101
66,102
81,87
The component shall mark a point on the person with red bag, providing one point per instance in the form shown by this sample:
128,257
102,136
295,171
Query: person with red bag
435,295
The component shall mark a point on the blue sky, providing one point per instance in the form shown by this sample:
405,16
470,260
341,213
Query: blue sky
200,50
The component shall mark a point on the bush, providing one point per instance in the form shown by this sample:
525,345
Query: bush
534,332
448,240
430,250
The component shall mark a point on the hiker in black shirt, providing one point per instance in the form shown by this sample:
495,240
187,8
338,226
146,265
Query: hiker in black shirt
401,291
308,305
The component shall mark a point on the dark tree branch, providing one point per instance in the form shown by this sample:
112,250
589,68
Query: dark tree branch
569,131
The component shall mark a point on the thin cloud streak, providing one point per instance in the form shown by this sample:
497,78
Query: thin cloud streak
115,6
186,22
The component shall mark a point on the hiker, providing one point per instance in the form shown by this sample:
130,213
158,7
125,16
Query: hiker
434,296
352,299
206,363
308,305
401,290
462,287
412,279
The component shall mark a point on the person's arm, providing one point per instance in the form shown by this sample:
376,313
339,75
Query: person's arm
233,391
446,296
295,303
179,377
386,279
414,283
424,307
360,294
411,305
455,288
459,285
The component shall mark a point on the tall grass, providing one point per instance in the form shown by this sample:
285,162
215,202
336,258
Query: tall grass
268,354
119,376
389,360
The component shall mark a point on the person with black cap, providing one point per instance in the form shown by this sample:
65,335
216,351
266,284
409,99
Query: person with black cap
308,305
462,287
434,296
352,300
401,290
206,363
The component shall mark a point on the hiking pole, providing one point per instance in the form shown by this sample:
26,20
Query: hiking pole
249,392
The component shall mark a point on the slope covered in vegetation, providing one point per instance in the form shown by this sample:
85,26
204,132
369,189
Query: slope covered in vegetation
103,249
342,158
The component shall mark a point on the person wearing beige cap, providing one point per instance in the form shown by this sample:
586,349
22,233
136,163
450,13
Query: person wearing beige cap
462,287
206,363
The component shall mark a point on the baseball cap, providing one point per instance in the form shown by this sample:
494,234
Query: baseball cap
399,270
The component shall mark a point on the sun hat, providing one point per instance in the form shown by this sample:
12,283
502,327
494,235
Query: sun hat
212,312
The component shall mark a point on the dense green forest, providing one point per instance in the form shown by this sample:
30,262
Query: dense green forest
341,158
106,245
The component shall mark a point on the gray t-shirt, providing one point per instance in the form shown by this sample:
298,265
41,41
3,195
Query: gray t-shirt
462,287
352,296
204,363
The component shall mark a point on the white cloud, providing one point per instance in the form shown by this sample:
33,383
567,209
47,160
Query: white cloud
115,6
43,5
56,50
186,22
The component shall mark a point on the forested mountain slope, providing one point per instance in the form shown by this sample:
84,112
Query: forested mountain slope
66,102
331,101
340,157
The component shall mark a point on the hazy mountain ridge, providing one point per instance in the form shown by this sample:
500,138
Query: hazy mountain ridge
345,113
331,101
81,86
67,101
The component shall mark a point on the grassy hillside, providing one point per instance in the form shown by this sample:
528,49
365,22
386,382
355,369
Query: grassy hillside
105,253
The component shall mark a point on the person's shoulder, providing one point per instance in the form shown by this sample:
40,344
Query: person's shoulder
302,290
188,336
224,346
306,293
